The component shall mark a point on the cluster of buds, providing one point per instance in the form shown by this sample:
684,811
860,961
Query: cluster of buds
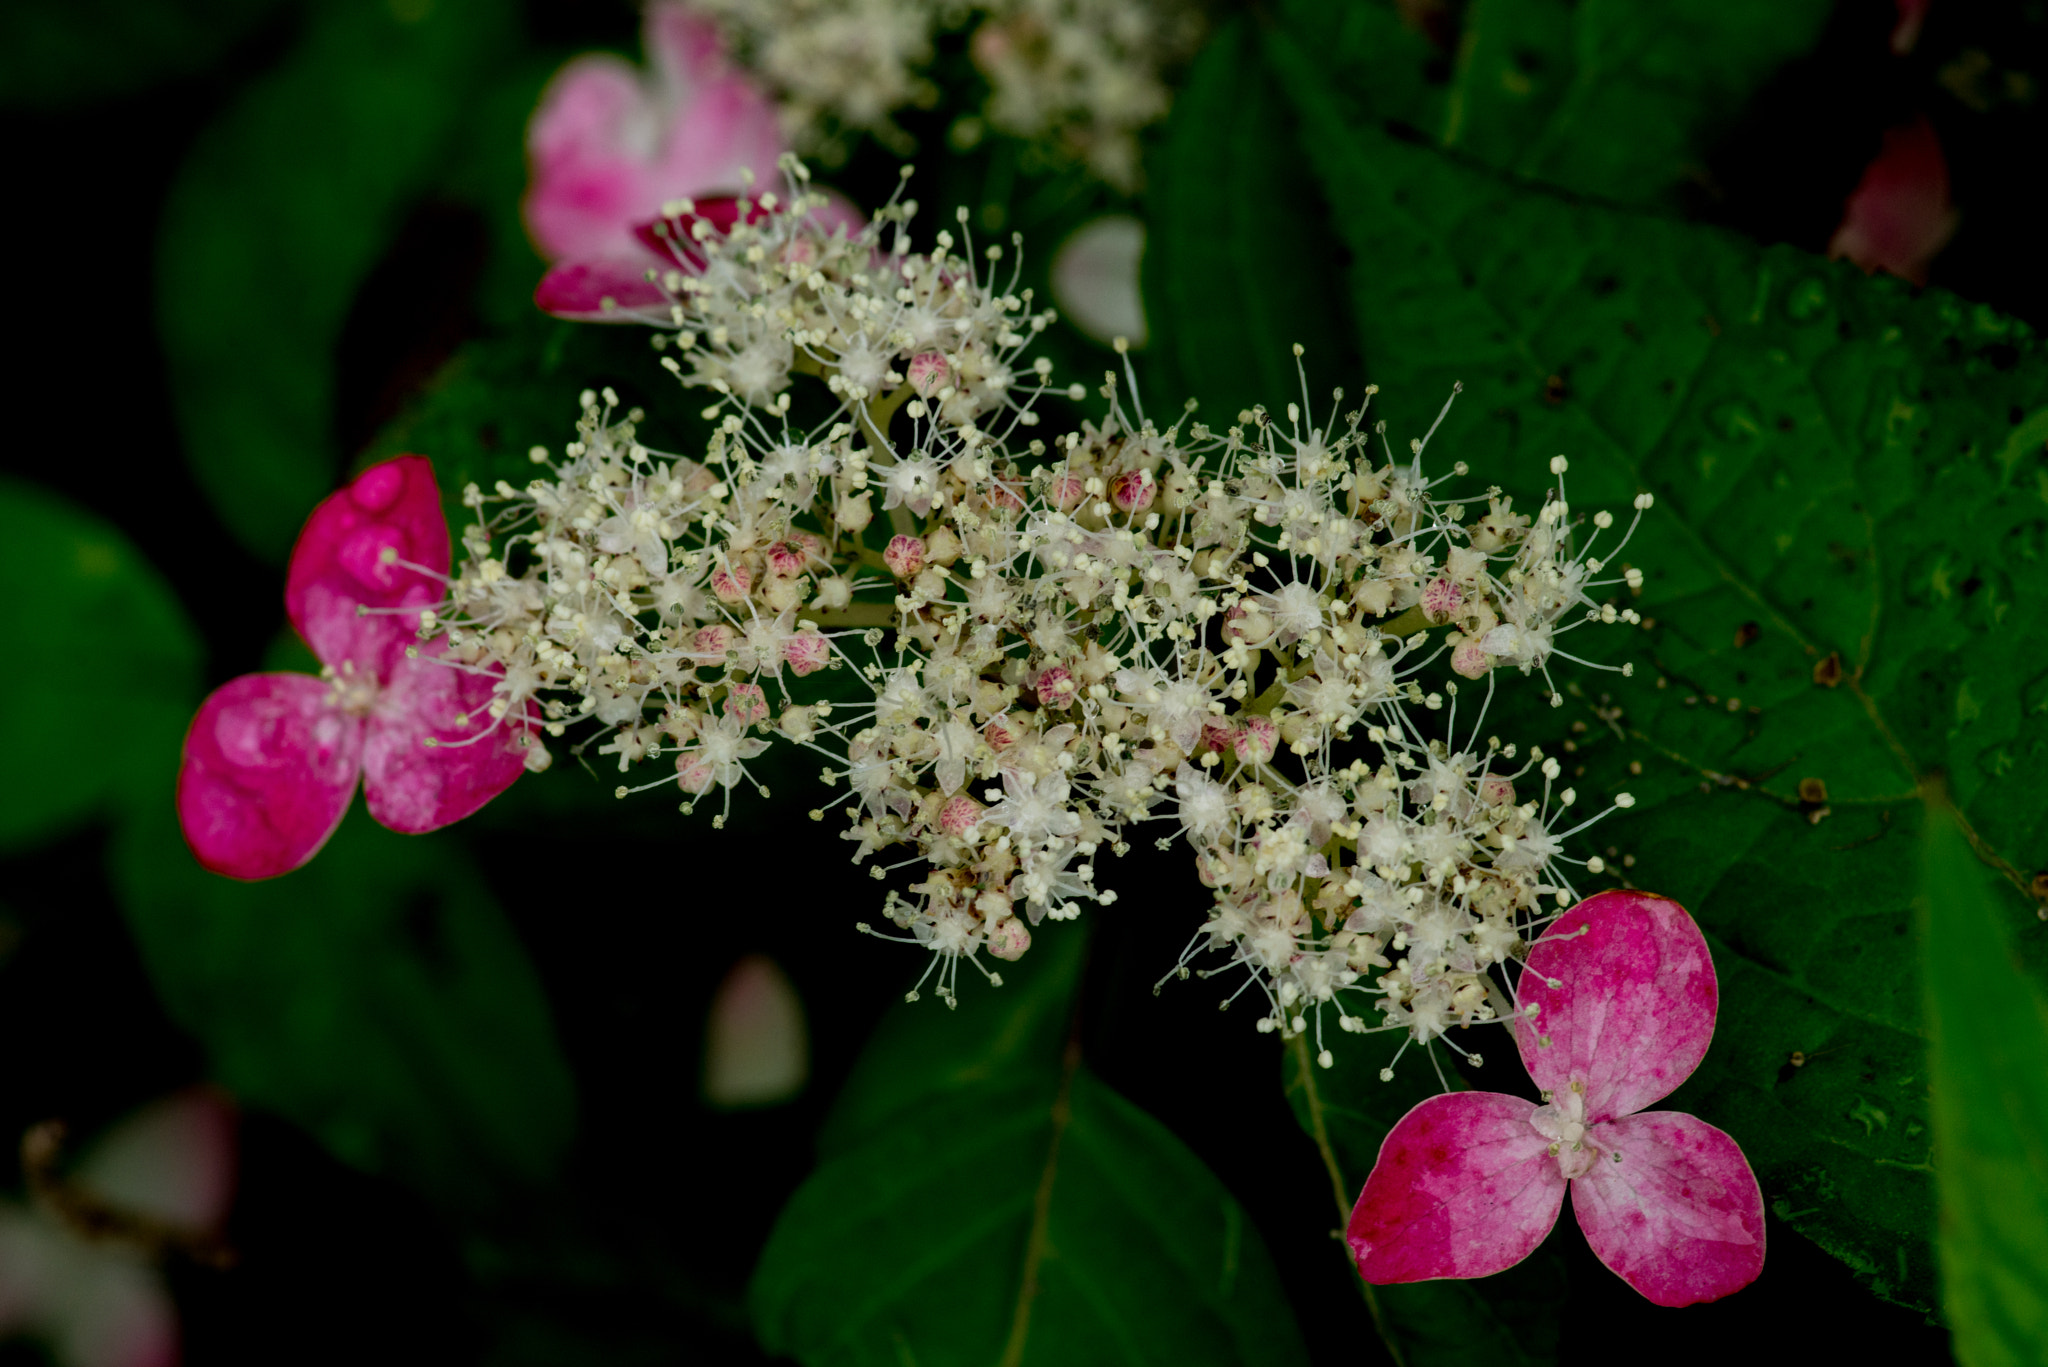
1033,651
1080,77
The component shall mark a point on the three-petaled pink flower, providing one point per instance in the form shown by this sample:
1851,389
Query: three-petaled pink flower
1469,1183
611,151
271,760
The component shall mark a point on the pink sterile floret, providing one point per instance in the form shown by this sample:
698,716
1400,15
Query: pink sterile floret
610,148
1469,1183
272,759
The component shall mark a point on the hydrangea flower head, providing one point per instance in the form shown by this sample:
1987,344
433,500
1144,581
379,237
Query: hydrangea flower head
1615,1009
272,759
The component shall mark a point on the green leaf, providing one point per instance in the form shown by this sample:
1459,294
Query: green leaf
1238,263
118,675
1989,1021
286,203
71,52
982,1197
1611,98
1512,1318
377,996
1843,569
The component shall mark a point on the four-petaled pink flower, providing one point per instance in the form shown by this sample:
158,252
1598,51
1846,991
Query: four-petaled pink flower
1469,1183
610,151
272,759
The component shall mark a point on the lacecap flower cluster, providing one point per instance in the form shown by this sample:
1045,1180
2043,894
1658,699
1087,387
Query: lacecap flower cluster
1013,654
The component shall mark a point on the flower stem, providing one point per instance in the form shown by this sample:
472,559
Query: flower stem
1319,1131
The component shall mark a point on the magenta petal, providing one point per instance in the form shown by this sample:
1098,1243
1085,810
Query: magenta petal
339,565
414,787
269,768
1635,1007
1679,1217
1464,1187
1899,217
612,290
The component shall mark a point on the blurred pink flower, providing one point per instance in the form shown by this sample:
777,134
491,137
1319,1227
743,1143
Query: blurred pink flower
1469,1183
610,148
162,1177
271,760
1899,216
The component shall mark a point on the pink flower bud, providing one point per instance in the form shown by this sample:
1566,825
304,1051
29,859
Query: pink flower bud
959,816
1440,598
744,702
1133,492
1471,660
785,559
1216,735
807,652
929,373
1056,687
998,734
1495,791
730,583
904,556
1003,498
1256,739
695,773
1009,939
713,641
1066,493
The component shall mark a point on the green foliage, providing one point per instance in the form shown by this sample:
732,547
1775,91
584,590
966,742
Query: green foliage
1239,258
982,1197
1850,487
1514,1318
281,211
376,996
70,52
1989,1021
1611,98
80,594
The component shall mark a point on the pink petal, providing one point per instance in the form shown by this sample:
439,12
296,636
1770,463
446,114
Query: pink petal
414,787
1680,1217
338,566
172,1161
608,149
614,289
1899,216
1635,1007
1464,1187
269,768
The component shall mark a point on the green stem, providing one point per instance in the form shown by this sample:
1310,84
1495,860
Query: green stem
1319,1131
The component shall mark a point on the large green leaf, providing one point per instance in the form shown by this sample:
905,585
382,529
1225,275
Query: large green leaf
1844,565
1990,1065
1614,98
982,1197
68,52
118,670
1607,98
1514,1318
283,208
1239,265
377,996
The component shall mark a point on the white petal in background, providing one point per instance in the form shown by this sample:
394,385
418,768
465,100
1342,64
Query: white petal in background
100,1301
1095,279
757,1051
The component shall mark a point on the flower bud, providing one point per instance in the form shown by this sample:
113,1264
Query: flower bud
904,556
